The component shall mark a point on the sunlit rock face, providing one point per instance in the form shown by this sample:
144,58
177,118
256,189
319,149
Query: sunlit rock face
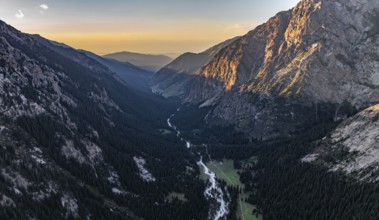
321,51
176,78
353,147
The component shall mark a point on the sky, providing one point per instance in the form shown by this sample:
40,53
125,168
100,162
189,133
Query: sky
145,26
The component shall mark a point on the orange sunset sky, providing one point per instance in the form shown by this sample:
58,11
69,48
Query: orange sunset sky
146,26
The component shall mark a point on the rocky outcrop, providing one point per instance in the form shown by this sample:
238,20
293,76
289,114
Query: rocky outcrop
321,51
353,147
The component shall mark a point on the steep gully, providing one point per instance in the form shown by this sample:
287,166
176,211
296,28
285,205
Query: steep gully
213,192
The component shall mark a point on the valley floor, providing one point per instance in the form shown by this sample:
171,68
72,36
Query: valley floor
226,171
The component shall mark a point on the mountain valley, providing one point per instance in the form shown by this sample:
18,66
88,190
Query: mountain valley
280,123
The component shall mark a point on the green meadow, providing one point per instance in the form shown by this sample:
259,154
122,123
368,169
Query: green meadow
225,171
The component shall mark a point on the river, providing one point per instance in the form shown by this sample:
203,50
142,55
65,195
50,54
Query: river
213,192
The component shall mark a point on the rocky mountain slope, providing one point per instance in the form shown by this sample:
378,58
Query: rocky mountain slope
134,76
175,79
145,61
320,55
352,148
76,142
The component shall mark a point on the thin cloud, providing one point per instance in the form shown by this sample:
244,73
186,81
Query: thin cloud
19,14
44,6
240,27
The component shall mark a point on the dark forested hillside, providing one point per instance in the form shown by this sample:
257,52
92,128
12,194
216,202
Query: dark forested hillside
77,142
280,184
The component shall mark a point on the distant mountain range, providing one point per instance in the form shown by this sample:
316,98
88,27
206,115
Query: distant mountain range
145,61
134,76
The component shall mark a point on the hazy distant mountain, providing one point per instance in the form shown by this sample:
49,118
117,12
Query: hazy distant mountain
134,76
145,61
172,55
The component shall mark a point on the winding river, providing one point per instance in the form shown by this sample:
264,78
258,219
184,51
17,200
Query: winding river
213,192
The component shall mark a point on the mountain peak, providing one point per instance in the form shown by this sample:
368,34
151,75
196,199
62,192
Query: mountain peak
319,52
276,57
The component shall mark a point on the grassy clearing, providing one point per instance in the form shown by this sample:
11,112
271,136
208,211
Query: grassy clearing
245,210
174,195
225,170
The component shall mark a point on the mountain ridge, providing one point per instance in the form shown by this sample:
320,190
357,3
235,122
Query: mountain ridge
175,79
303,34
70,133
148,62
321,52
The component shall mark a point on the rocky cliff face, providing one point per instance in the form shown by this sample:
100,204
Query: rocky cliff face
175,79
321,51
352,148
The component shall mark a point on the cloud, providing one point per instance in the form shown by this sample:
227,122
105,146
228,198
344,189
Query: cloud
240,27
19,14
44,6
